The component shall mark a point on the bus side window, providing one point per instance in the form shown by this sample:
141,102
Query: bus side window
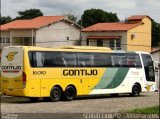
118,60
85,59
137,61
47,62
52,59
64,62
69,59
133,60
38,59
82,64
32,59
102,60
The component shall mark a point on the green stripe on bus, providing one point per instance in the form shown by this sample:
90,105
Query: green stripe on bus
112,78
107,77
118,79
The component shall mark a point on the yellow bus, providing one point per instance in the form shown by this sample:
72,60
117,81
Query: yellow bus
67,72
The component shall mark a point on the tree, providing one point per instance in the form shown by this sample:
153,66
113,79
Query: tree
72,17
29,14
93,16
5,19
155,34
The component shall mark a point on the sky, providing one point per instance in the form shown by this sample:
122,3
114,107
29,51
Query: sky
123,8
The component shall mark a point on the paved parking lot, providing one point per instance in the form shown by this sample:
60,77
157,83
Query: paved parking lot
103,104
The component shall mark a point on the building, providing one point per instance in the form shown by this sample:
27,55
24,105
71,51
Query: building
44,31
133,34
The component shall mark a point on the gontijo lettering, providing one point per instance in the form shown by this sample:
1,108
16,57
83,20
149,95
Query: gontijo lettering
81,72
11,67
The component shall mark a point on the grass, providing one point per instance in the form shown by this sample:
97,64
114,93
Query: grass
147,110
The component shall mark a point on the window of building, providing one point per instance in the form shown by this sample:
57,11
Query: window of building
87,42
116,46
7,40
99,42
111,44
2,40
67,38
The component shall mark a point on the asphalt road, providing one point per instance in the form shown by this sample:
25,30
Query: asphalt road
103,104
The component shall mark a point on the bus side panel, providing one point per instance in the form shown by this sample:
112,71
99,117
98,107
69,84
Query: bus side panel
112,81
78,77
84,79
119,80
134,75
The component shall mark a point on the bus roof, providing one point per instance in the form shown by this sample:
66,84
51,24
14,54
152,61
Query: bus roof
86,48
77,48
66,48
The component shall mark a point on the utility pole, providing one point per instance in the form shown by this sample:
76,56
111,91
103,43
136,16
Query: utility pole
80,39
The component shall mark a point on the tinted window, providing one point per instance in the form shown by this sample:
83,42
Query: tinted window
118,60
148,66
51,59
69,59
100,42
102,60
133,60
85,59
147,60
45,59
125,60
40,60
72,59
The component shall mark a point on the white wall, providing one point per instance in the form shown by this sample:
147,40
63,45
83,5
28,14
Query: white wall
56,34
4,34
21,33
15,34
156,58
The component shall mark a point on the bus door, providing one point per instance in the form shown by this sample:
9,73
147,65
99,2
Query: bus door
12,68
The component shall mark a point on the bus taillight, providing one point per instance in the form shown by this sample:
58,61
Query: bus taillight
24,79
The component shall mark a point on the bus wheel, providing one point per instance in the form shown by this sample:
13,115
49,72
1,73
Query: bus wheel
55,94
135,90
69,93
33,99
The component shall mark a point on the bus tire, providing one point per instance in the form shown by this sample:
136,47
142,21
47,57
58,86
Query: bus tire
55,94
69,93
135,90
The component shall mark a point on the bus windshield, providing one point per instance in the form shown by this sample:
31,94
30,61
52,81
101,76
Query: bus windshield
148,67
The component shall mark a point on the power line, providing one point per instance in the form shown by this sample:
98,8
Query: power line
23,43
93,31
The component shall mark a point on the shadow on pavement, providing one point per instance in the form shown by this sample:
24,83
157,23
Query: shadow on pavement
20,100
